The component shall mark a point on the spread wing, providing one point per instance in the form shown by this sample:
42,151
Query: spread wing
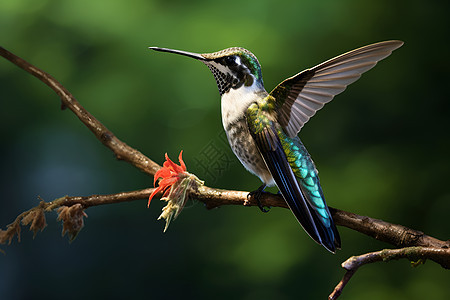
299,97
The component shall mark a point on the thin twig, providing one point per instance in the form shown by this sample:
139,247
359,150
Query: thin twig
95,200
340,286
416,255
36,219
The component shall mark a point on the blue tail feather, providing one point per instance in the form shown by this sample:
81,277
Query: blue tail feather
303,195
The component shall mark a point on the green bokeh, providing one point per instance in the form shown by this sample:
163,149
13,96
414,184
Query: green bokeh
381,147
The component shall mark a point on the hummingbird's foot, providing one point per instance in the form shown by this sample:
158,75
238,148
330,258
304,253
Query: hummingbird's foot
257,194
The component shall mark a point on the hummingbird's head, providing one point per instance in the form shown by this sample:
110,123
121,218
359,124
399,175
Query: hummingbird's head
232,67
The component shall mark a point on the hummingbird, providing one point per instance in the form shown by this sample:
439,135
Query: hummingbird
262,128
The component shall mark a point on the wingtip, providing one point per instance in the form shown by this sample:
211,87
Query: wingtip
393,44
398,43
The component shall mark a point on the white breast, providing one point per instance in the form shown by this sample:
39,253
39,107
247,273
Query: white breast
235,103
234,107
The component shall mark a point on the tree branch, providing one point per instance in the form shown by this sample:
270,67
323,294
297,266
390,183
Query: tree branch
96,200
36,219
397,235
121,150
393,234
417,255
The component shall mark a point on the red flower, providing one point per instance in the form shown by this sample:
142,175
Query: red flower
175,183
170,174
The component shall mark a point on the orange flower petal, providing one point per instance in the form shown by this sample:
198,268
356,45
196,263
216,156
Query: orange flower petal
155,191
180,159
173,166
169,174
161,173
168,181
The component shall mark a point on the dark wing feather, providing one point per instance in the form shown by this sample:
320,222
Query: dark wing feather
272,151
299,97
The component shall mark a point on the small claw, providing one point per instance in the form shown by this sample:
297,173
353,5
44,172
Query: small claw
264,210
257,194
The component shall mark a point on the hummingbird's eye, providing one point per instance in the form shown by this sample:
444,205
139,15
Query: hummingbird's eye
230,60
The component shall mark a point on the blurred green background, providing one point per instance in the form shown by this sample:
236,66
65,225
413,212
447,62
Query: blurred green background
382,147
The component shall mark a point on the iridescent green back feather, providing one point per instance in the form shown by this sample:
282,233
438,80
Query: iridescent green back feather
305,170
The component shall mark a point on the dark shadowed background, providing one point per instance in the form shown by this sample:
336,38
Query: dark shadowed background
382,147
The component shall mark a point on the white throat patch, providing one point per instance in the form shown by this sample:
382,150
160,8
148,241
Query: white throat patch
235,103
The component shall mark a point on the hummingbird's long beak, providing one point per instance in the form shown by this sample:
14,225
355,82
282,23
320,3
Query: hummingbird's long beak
185,53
